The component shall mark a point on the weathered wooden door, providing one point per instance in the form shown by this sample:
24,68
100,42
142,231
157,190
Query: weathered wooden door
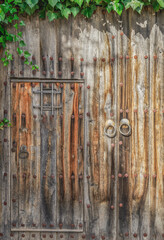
47,159
84,156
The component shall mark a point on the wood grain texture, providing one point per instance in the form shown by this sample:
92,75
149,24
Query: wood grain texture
75,177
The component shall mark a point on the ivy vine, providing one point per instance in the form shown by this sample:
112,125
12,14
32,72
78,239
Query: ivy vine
11,10
4,123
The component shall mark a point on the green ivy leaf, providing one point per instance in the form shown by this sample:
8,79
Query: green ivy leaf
30,11
19,34
16,25
26,62
161,3
88,11
79,2
22,23
53,2
59,6
51,15
27,54
20,51
22,43
118,7
75,11
13,10
66,12
2,15
109,7
16,39
31,3
156,6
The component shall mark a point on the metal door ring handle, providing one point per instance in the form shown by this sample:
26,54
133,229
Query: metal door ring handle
110,124
23,153
125,122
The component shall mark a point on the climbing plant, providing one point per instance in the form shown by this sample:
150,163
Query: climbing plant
4,123
11,10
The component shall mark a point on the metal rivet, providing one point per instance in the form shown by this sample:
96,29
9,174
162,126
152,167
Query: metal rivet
44,176
112,207
11,234
127,57
145,234
12,72
88,177
61,116
81,85
5,83
34,225
44,58
127,110
51,225
80,225
59,73
120,142
93,236
121,33
121,205
72,58
119,175
14,175
121,110
81,74
102,237
51,58
80,116
22,57
80,177
1,234
5,111
34,176
44,236
23,235
145,175
83,236
154,176
88,114
72,86
88,86
126,175
34,116
22,225
61,85
21,72
61,236
43,225
33,57
146,57
94,59
155,57
81,59
113,59
121,84
103,59
121,57
14,224
13,200
145,110
163,235
72,225
52,176
72,236
113,145
135,110
135,235
5,174
135,57
60,176
60,225
72,73
73,177
72,116
112,176
113,37
154,110
60,59
88,205
14,85
126,234
51,72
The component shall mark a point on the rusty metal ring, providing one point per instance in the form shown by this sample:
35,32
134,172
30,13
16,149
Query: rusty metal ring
23,153
125,122
110,124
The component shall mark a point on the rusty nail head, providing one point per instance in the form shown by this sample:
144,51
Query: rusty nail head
61,236
80,201
72,73
81,59
80,224
126,234
121,57
93,236
52,176
95,59
12,72
14,175
88,144
155,57
33,57
88,86
135,57
135,235
13,200
51,236
60,176
112,176
59,73
80,116
145,234
34,225
61,116
22,225
126,175
72,225
44,176
1,234
113,59
72,236
61,85
145,176
51,225
5,83
112,145
103,237
119,175
121,110
14,224
60,59
51,58
11,234
23,235
127,110
72,116
51,72
112,207
113,36
44,236
43,225
44,58
72,86
14,85
81,148
83,236
82,74
22,57
146,110
88,176
60,225
111,114
34,176
5,140
146,57
120,142
163,235
121,33
72,177
44,72
154,176
5,174
88,114
81,177
81,85
72,59
103,59
120,205
127,57
121,84
34,116
33,84
135,110
33,72
154,110
88,205
33,235
5,111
